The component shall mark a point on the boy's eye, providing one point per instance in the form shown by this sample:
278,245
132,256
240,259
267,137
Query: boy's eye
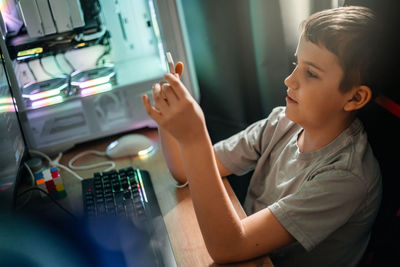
311,74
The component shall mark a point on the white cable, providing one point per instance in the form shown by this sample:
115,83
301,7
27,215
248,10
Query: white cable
88,37
31,174
96,35
99,153
56,163
70,171
182,185
78,37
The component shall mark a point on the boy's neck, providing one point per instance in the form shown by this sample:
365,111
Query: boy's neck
310,140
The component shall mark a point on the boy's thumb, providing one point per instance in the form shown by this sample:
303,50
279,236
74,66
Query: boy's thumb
179,68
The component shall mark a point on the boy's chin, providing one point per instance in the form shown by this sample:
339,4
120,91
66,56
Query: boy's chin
289,114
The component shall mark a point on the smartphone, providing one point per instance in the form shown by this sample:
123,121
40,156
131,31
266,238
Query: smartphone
170,61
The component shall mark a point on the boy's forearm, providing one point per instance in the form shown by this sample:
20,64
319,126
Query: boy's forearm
219,223
172,155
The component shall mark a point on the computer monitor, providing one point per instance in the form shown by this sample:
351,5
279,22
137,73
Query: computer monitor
12,144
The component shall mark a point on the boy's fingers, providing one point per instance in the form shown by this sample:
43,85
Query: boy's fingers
176,84
160,89
159,97
146,103
170,95
153,113
179,68
156,89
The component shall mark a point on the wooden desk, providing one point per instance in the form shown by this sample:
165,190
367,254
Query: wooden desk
175,203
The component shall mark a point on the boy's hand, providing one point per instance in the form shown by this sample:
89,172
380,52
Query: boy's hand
174,108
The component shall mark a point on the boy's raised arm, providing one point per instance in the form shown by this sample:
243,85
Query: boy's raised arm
171,150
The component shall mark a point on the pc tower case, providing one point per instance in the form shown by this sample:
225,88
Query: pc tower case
84,81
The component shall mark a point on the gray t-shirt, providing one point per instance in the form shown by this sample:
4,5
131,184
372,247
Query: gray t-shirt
327,199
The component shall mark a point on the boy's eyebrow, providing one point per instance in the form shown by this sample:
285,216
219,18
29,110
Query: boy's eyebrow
311,64
315,66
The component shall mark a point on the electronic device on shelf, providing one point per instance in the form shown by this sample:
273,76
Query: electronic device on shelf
111,51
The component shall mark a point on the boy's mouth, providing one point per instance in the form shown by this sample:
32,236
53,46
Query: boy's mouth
290,100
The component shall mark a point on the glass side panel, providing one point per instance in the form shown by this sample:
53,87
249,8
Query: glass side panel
11,140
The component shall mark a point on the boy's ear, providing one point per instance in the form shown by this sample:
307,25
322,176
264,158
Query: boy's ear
359,97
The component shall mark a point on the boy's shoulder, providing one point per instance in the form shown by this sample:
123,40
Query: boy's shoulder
277,113
278,122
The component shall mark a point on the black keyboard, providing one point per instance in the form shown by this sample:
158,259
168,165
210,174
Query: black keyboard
129,193
116,193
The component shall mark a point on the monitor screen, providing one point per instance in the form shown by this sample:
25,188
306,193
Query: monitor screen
12,145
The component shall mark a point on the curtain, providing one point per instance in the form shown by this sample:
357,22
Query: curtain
243,50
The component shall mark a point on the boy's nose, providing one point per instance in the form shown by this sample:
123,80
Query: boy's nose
290,81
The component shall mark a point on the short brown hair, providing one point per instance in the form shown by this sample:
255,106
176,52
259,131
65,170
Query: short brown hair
348,33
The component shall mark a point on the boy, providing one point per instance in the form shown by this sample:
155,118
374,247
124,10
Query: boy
316,185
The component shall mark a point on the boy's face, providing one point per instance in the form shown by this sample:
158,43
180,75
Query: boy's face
313,96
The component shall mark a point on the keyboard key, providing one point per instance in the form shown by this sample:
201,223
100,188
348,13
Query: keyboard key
97,179
125,184
133,181
117,187
111,172
106,178
98,187
127,194
109,199
119,197
110,207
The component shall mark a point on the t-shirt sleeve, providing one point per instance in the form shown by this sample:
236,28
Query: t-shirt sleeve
240,153
322,205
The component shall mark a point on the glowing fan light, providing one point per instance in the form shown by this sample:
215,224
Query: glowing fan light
6,104
2,5
6,108
45,94
96,89
94,82
6,100
26,57
47,101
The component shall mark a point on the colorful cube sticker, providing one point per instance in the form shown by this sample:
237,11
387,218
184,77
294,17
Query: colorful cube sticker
50,181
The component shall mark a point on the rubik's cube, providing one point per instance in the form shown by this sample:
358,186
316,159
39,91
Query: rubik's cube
50,181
